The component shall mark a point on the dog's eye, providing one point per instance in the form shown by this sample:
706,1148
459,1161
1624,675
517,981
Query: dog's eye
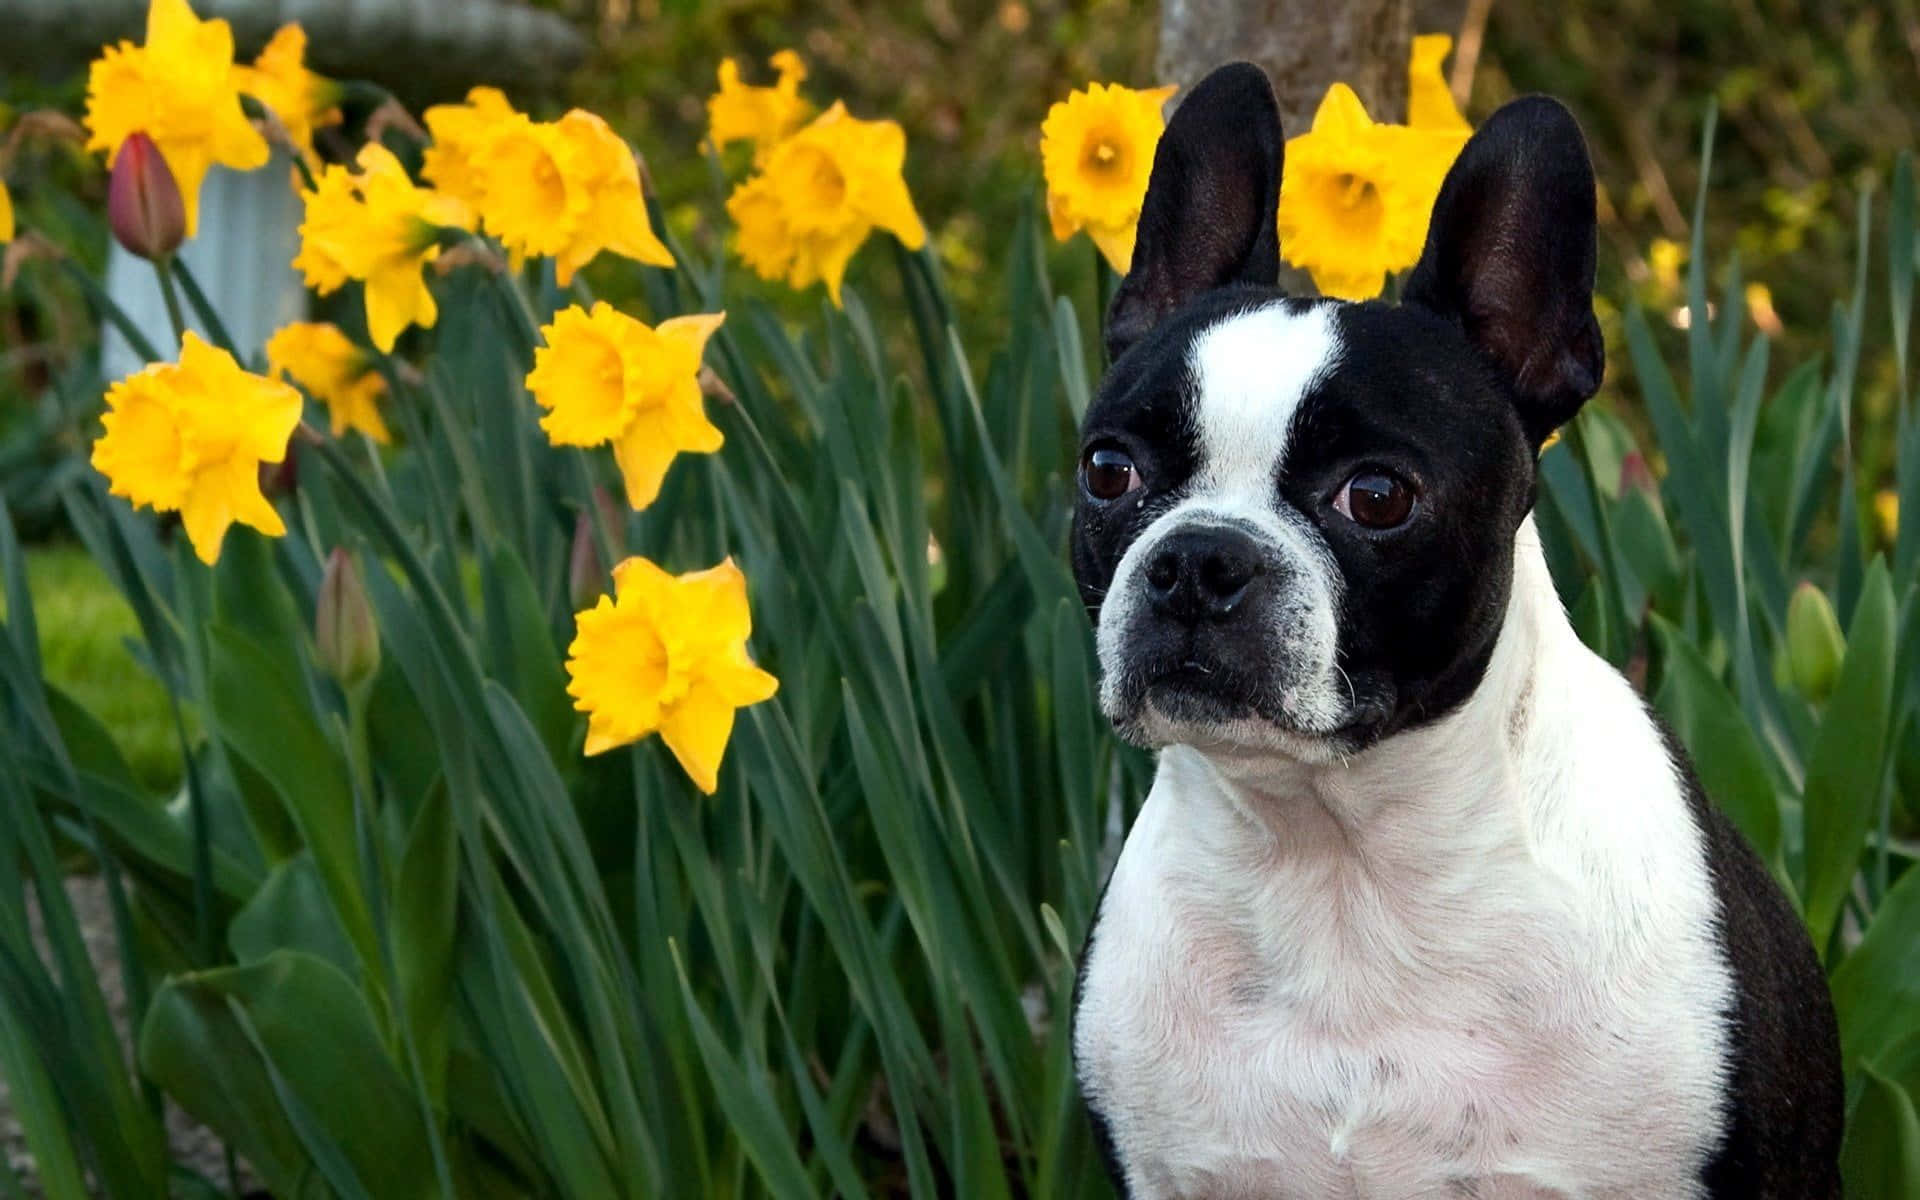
1107,473
1375,499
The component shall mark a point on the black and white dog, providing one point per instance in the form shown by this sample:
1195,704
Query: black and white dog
1423,901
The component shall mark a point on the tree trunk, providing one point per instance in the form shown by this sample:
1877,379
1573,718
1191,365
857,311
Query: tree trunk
1304,45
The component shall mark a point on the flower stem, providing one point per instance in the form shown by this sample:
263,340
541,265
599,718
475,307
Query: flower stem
170,293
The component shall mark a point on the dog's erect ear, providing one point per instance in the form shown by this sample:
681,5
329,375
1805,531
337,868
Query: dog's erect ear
1510,257
1208,218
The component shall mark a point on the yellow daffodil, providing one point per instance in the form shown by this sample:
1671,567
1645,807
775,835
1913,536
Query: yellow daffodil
280,80
1096,148
377,227
1886,509
605,377
329,229
1429,100
667,653
564,189
191,437
321,359
820,194
179,88
1356,195
740,112
1665,257
6,214
459,130
616,217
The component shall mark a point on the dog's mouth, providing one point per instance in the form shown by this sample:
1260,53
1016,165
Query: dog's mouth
1191,692
1190,688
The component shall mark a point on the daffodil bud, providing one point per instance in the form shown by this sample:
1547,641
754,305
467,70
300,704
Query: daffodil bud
1814,643
143,200
344,633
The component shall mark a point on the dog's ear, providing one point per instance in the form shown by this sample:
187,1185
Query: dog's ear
1208,218
1510,257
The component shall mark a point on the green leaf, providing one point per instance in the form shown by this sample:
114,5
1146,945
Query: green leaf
744,1096
425,907
1720,740
1846,767
1876,988
1880,1159
291,912
256,708
312,1025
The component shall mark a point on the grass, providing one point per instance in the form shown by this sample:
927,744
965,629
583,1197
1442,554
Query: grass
84,627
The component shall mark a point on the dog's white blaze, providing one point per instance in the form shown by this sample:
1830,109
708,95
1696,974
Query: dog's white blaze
1475,960
1249,374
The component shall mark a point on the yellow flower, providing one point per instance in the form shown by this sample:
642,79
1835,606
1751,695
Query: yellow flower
667,653
377,227
1429,100
1356,196
1096,148
280,80
820,194
605,377
180,89
191,437
459,130
6,214
616,217
319,358
739,112
564,189
1886,509
1665,257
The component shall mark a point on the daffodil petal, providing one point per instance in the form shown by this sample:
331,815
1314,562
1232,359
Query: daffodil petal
1116,245
643,458
697,730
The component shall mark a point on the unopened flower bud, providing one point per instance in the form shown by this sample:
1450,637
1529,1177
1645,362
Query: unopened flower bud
1635,475
346,639
586,573
1814,643
143,200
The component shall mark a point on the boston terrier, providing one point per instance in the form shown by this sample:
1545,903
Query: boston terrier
1423,902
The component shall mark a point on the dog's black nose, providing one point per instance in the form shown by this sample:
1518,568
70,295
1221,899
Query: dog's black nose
1199,575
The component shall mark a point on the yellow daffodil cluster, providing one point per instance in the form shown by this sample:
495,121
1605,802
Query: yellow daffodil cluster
604,377
1354,198
190,438
820,190
1096,150
1356,194
564,189
668,654
6,214
182,88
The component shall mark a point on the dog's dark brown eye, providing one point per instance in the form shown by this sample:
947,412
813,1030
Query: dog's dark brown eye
1375,499
1108,473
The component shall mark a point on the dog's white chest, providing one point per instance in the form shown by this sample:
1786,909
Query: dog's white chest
1270,1019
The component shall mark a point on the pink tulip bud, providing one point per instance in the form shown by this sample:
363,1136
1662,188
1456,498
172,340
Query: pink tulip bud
143,200
1636,476
346,638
